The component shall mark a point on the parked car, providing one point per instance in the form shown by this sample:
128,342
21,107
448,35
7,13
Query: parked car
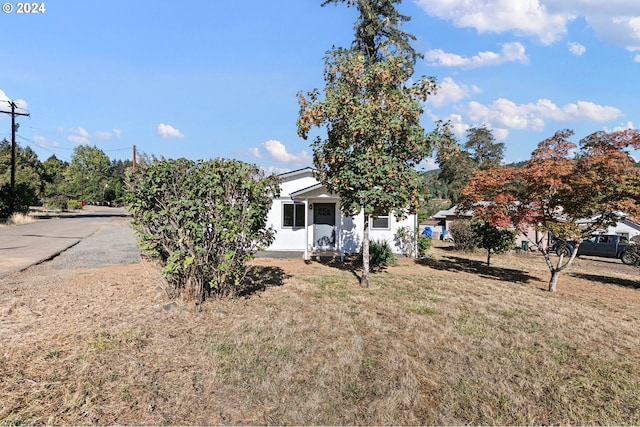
602,245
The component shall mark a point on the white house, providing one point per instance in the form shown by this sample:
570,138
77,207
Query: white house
307,218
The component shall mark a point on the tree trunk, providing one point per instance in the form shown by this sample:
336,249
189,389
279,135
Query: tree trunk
488,257
364,280
554,280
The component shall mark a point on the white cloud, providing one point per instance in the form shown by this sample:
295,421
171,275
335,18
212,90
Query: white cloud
576,48
255,152
503,113
498,16
449,91
166,131
4,105
41,140
628,125
615,21
511,52
107,134
278,151
79,136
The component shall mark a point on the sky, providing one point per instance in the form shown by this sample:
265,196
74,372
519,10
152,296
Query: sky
203,79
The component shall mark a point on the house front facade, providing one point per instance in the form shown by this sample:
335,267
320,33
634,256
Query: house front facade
307,219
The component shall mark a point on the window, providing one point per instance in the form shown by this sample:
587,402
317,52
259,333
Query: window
380,222
293,215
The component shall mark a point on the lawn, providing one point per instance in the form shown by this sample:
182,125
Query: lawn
443,342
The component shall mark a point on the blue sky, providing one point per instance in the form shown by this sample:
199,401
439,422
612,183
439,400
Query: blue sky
203,79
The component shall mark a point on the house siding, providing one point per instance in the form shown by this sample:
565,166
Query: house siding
348,230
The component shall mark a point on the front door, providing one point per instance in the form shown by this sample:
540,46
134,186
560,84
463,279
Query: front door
324,225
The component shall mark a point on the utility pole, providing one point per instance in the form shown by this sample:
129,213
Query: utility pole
14,127
134,156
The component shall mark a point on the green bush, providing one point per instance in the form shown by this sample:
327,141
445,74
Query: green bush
380,254
16,200
424,244
74,204
462,235
204,220
57,202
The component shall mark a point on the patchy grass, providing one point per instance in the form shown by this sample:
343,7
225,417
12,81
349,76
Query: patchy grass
446,342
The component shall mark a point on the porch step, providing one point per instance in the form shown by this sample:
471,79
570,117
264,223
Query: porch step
324,255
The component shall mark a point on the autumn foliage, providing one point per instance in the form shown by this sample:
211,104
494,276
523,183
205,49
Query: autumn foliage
560,187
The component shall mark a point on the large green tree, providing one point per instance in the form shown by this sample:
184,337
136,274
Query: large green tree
483,148
87,177
372,116
53,175
29,181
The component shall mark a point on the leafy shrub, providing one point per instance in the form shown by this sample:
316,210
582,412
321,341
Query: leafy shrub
74,204
204,220
57,202
462,236
380,254
18,200
424,244
408,238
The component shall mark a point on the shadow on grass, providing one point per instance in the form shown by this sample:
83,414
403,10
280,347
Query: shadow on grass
350,264
463,265
261,278
606,280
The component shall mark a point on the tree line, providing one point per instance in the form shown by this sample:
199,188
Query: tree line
90,176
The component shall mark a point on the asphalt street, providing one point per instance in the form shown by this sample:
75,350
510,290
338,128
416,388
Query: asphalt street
101,229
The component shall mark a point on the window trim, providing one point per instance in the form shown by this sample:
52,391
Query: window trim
295,224
386,216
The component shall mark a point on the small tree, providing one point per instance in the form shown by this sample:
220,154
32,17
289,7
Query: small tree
372,116
204,220
495,240
556,189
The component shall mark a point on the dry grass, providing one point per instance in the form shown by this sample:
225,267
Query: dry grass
19,219
445,342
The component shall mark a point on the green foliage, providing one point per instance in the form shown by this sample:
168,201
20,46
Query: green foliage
204,220
87,175
494,239
28,179
462,236
380,254
379,20
457,166
483,150
57,202
424,244
16,200
410,239
74,204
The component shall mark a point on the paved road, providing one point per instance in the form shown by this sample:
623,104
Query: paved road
25,245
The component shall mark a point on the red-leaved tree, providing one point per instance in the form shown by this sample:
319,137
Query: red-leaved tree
567,190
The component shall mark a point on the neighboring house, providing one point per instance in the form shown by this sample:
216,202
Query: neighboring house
307,218
529,235
624,227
